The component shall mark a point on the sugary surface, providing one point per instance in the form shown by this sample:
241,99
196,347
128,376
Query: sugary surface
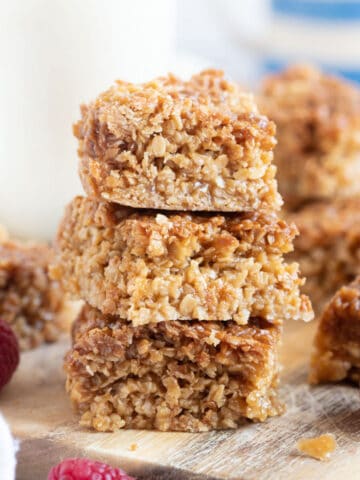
29,301
199,144
185,376
317,117
150,267
336,354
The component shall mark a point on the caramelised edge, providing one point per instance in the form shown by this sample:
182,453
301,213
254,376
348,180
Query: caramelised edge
169,144
29,301
336,354
318,120
186,376
328,247
150,267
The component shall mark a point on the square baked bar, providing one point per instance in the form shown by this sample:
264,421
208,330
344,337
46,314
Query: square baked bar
317,117
30,301
180,145
337,343
185,376
147,266
328,247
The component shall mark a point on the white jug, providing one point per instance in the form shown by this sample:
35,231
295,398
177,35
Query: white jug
54,55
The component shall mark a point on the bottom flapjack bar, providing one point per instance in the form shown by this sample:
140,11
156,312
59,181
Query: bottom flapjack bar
174,375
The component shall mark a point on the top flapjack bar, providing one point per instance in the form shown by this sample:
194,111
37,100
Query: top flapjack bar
198,145
318,131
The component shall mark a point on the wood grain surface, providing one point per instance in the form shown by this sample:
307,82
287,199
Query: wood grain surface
39,413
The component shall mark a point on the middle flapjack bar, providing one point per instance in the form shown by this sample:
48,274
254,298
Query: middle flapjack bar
148,266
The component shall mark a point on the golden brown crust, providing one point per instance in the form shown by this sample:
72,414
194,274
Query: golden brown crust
29,301
174,145
337,342
151,267
187,376
318,123
328,247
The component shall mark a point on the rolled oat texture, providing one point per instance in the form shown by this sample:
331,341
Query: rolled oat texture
30,301
178,145
336,354
317,117
147,266
328,247
185,376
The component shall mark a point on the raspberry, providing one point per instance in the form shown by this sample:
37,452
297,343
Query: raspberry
9,353
85,469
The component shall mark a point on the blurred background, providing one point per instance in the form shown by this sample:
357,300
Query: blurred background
58,54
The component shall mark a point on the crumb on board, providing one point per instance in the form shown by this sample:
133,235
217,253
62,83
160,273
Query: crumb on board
133,447
320,447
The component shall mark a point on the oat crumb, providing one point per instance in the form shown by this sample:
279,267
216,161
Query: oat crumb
133,447
320,447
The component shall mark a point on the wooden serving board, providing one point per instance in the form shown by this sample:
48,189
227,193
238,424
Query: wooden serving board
40,415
